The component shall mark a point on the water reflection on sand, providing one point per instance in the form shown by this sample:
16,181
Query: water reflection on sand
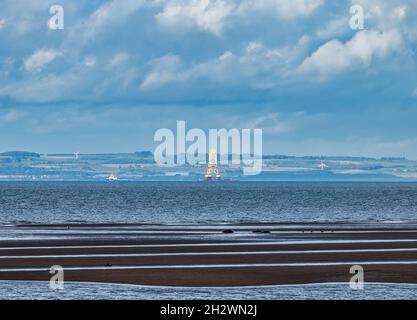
94,291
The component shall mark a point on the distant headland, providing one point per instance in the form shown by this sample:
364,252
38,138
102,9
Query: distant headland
141,166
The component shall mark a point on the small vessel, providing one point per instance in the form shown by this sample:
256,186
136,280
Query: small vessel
322,165
112,177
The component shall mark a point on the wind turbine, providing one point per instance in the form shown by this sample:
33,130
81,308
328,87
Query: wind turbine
76,155
322,165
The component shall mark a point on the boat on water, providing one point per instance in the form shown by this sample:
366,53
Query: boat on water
112,177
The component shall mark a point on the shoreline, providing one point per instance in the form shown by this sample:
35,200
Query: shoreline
215,255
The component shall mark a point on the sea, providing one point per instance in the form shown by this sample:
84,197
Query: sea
200,202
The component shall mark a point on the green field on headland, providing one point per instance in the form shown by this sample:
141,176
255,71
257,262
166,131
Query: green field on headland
19,165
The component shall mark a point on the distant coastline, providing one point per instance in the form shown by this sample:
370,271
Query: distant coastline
140,166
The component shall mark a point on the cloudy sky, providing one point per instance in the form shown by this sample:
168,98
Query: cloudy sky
122,69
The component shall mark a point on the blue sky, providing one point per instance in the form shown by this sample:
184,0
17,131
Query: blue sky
120,70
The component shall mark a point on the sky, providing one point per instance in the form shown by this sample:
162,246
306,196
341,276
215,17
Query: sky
120,70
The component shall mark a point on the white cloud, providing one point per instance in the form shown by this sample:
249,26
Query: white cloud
164,70
39,59
385,14
270,122
107,15
89,62
2,23
334,28
118,59
335,57
255,66
399,12
255,54
170,69
24,16
12,115
43,88
207,15
283,9
213,15
254,46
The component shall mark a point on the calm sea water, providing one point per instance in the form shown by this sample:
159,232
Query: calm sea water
185,202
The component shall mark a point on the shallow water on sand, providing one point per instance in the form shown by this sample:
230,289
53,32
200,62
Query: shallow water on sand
187,202
93,291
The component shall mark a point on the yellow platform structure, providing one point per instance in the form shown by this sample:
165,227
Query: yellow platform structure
212,167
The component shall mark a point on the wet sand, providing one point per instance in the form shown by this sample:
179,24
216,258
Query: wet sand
212,255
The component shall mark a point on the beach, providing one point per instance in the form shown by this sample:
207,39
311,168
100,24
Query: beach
211,255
